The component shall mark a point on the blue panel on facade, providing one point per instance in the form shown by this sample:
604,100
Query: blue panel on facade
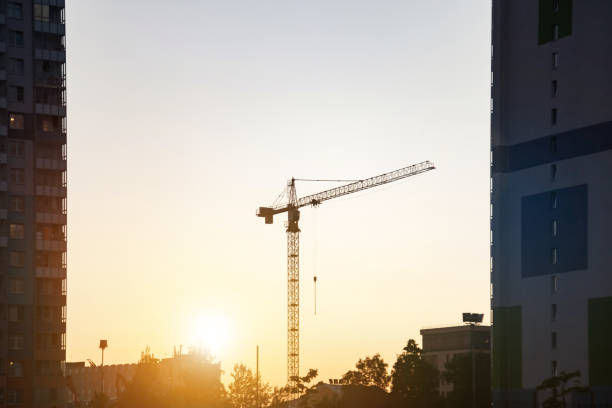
554,231
561,146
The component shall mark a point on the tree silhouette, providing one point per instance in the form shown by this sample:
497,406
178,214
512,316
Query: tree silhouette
558,388
459,374
413,380
370,371
243,389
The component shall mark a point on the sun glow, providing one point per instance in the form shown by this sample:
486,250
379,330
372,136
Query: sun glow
212,333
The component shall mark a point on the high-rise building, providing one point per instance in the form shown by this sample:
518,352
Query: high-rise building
551,196
32,203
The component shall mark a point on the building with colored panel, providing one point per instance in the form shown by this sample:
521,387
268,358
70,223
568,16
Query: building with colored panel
32,203
551,194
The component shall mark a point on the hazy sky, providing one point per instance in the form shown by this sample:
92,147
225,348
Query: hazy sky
185,116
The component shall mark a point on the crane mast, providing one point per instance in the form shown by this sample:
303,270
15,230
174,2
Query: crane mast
293,247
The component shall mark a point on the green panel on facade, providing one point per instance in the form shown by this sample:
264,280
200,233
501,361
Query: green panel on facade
507,367
554,13
600,341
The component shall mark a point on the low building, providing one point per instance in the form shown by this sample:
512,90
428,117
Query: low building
441,344
85,381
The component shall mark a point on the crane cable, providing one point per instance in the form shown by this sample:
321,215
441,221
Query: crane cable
315,246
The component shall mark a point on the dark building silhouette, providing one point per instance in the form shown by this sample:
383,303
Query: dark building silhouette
32,203
551,195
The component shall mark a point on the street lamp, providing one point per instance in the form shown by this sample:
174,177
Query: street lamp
103,345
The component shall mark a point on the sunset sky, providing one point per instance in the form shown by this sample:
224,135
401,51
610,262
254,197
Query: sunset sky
185,116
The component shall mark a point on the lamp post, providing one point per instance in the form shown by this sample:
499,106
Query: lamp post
103,345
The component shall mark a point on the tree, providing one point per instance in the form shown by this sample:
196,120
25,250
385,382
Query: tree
558,389
459,374
414,380
370,371
243,389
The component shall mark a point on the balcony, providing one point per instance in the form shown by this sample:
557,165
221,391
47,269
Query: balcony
3,186
3,158
50,245
50,191
49,27
51,137
3,213
54,3
51,218
50,164
46,109
50,55
3,242
55,272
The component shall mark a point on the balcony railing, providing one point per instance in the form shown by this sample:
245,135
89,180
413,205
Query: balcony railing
51,272
50,191
58,55
50,164
51,218
49,245
50,27
46,109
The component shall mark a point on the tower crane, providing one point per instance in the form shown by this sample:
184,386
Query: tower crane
293,246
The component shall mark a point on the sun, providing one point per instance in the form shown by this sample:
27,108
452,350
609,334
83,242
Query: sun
212,333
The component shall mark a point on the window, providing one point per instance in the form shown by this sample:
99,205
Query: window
15,369
555,32
554,88
63,341
15,38
554,280
14,10
553,200
554,368
47,125
553,116
17,231
64,313
553,144
15,93
41,13
553,340
553,172
15,342
16,121
555,6
553,312
15,313
555,256
554,228
555,60
17,176
14,396
16,149
15,66
16,258
16,286
17,203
